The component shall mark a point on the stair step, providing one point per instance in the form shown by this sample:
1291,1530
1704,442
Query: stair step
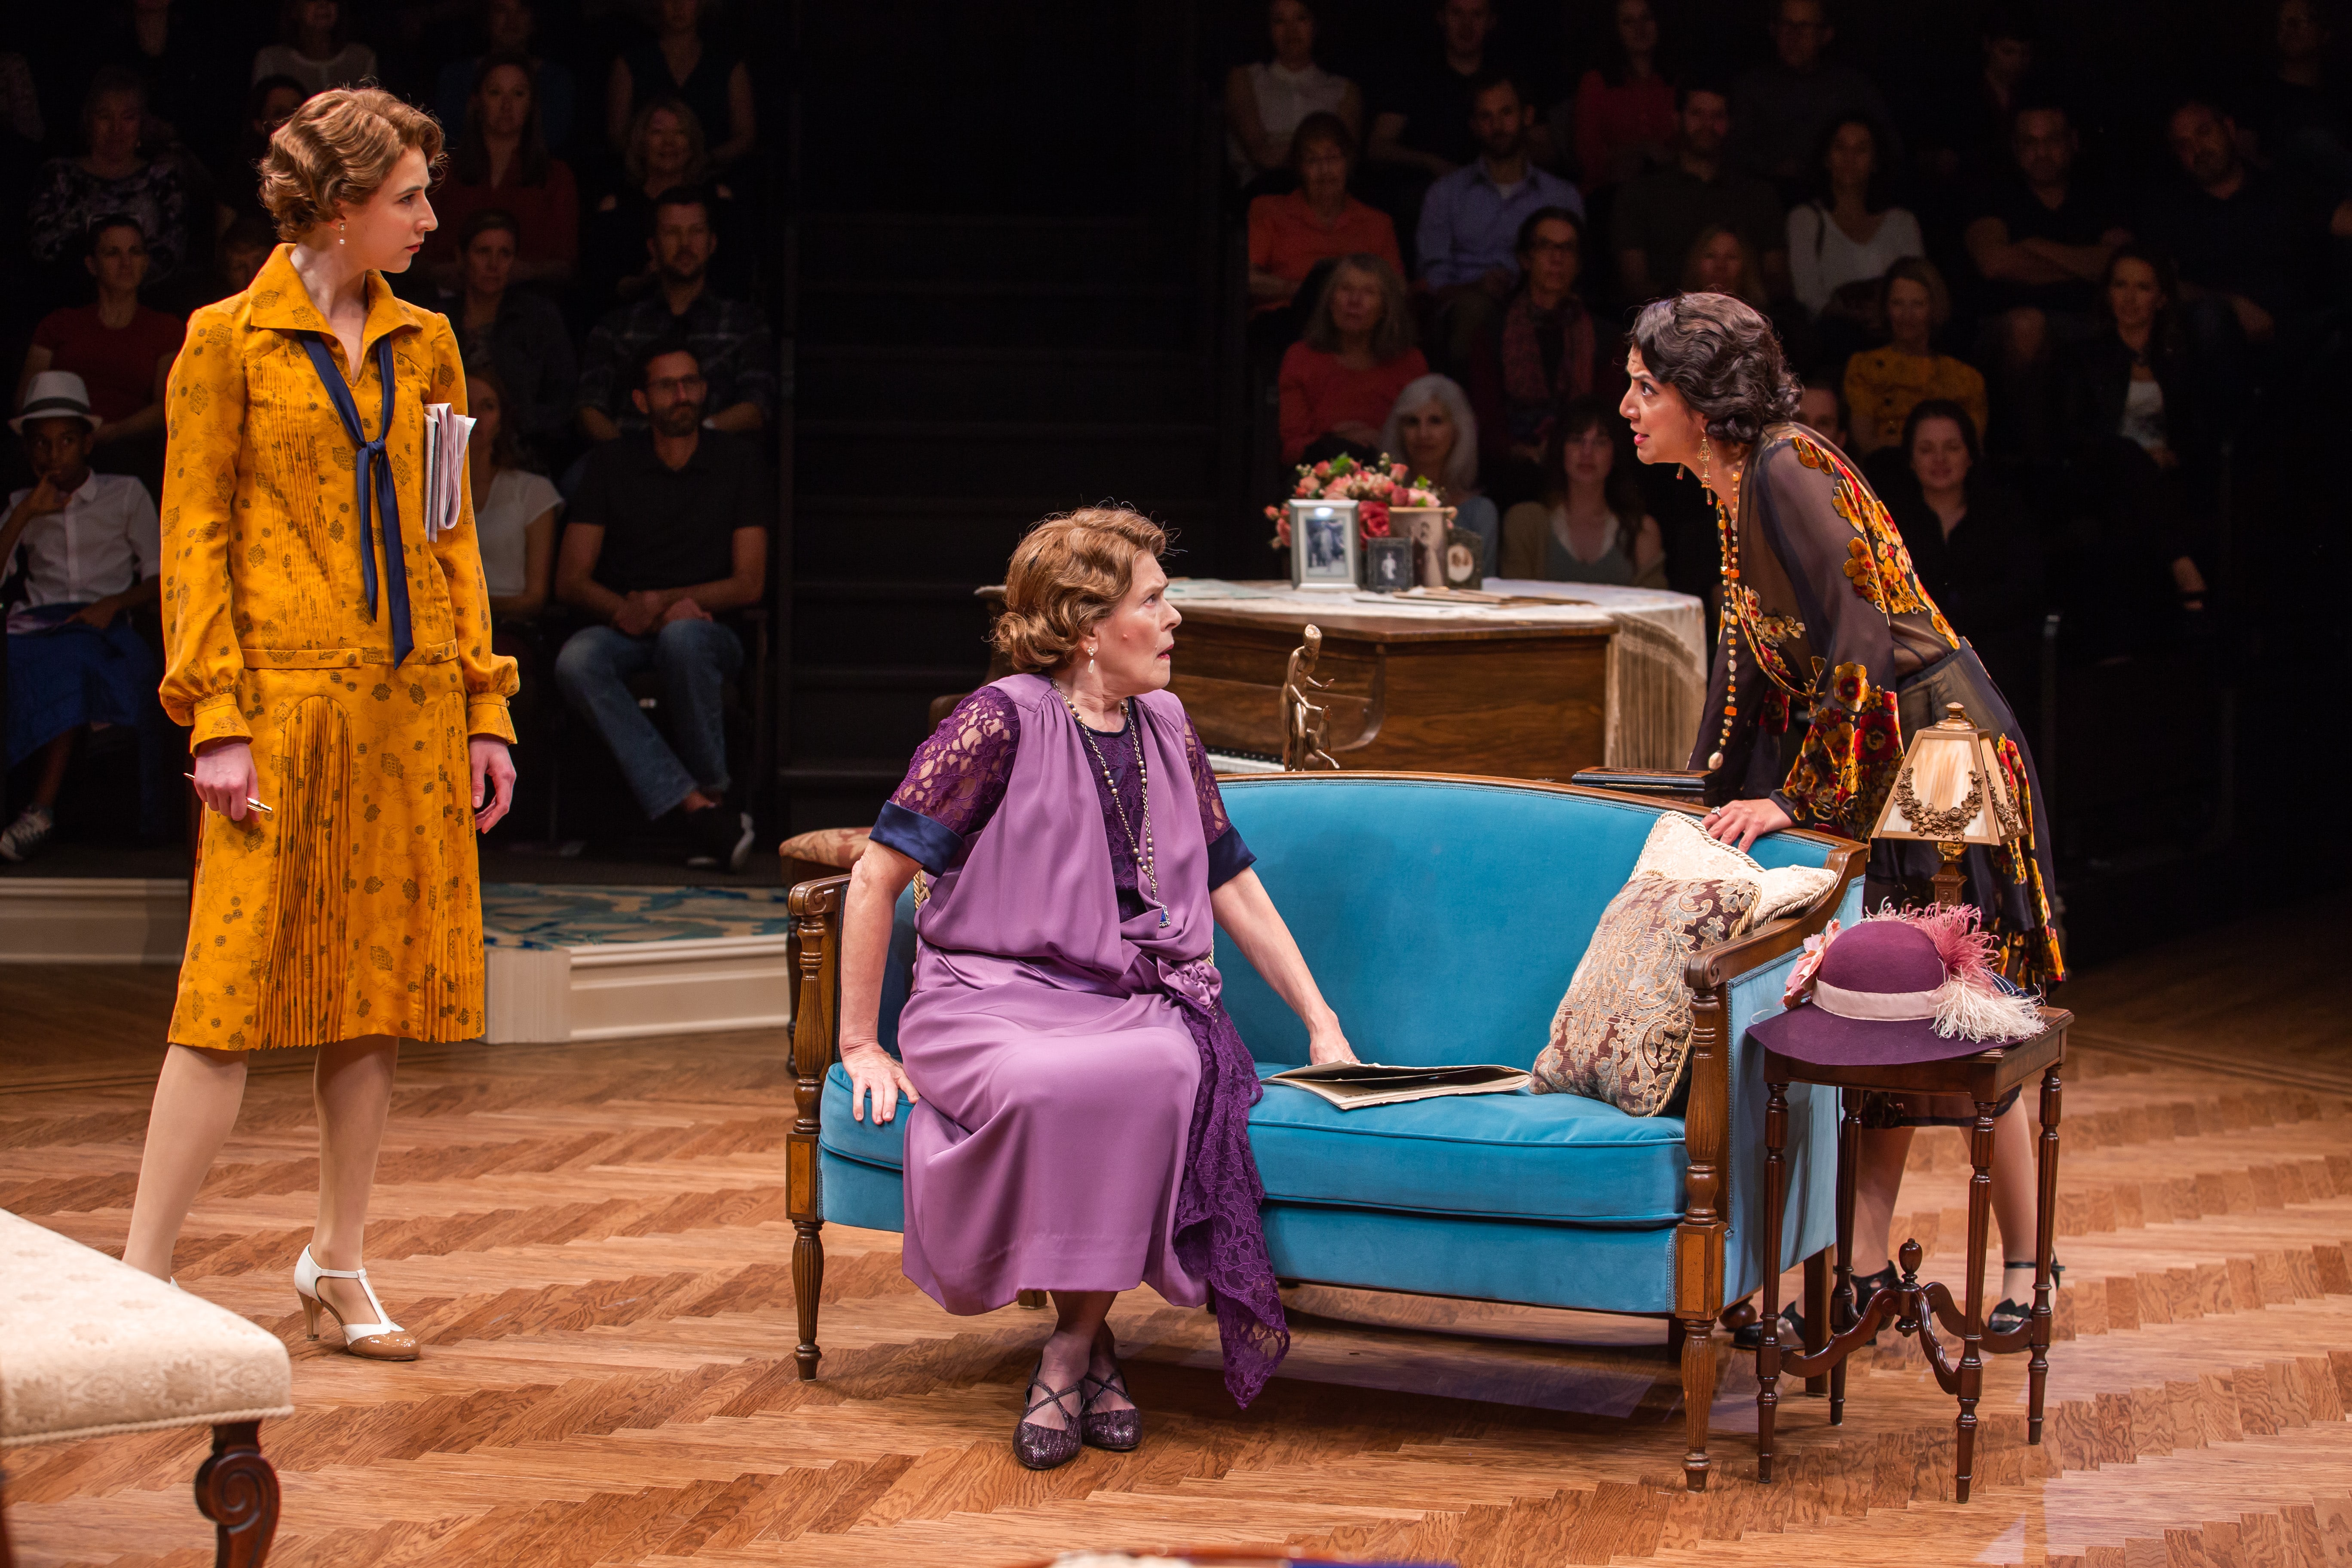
863,381
922,624
843,770
947,538
1124,316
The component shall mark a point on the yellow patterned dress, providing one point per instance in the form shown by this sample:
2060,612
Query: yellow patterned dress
355,907
1832,654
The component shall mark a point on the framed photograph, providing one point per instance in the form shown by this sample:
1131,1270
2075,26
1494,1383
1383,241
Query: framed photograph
1465,566
1389,565
1424,527
1324,550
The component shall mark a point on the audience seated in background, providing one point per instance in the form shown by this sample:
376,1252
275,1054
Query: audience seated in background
1820,405
2038,241
268,104
665,150
1779,110
1267,103
244,246
2140,438
669,530
502,160
180,59
728,337
514,332
1721,263
1432,430
77,550
508,26
1589,525
1850,231
1961,122
1543,350
2233,233
514,508
1661,211
1341,378
112,176
1624,109
1883,385
679,62
2296,115
315,48
121,350
1971,541
1420,114
1470,220
20,101
1320,221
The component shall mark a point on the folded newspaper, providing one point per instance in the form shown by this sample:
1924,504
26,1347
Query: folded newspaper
1351,1086
445,433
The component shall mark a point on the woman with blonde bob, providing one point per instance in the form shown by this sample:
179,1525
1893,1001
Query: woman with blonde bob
1080,1099
332,653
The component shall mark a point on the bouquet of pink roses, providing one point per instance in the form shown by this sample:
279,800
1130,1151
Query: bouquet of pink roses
1374,487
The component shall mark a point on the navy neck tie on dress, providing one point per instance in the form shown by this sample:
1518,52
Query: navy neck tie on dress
372,467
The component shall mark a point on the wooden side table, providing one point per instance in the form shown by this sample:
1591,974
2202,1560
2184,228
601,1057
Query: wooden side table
1913,1307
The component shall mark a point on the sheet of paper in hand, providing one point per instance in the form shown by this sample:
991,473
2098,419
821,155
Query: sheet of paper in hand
1351,1086
445,431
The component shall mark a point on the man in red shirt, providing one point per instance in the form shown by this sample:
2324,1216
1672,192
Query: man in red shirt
121,350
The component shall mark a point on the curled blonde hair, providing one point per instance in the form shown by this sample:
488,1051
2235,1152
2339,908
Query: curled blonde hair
339,147
1067,574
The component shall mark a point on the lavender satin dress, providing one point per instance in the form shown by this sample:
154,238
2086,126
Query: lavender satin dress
1084,1120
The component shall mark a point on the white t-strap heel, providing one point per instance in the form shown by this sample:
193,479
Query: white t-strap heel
382,1340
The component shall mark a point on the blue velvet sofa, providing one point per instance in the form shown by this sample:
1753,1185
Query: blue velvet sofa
1441,918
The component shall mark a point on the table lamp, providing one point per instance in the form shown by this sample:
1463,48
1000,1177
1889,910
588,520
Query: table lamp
1950,791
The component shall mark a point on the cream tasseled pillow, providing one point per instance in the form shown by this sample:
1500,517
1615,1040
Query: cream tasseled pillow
1678,847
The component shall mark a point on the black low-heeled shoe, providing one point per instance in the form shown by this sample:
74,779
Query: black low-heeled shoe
2011,1316
1792,1321
1118,1430
1048,1448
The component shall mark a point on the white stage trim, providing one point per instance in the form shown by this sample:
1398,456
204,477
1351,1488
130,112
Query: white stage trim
93,920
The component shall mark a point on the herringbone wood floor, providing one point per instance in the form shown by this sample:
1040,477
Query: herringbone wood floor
590,1241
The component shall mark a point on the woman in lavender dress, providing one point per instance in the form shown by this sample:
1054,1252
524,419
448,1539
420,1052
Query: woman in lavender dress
1081,1100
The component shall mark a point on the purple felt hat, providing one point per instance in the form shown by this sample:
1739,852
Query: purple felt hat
1889,991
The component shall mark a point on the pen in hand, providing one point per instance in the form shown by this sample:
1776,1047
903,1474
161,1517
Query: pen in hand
248,799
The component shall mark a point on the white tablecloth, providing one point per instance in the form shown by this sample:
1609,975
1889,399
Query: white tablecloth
1657,660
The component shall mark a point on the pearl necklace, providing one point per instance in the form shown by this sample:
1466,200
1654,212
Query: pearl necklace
1729,537
1146,858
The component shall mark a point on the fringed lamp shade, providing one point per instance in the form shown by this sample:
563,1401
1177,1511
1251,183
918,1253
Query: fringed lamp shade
1950,791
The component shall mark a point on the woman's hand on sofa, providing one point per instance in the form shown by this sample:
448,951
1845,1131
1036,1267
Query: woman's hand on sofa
872,1075
1328,1044
1743,822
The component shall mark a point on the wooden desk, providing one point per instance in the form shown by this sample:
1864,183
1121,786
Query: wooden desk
1510,699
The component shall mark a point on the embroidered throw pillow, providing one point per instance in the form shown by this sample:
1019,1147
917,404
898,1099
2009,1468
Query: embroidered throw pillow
1678,846
1624,1029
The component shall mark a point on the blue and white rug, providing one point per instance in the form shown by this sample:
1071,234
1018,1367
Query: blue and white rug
547,915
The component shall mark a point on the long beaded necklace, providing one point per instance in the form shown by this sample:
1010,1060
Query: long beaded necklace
1145,859
1729,537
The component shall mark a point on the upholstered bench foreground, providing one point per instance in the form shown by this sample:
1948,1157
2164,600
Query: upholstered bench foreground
1443,917
91,1347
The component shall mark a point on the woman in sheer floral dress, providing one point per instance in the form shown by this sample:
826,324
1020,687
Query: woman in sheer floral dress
1831,656
1081,1108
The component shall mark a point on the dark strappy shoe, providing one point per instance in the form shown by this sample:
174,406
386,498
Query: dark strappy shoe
2011,1316
1117,1430
1049,1448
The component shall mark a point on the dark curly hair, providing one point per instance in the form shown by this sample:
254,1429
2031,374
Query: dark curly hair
1721,355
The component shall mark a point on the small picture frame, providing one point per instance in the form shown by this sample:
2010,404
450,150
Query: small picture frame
1388,565
1324,548
1423,526
1466,566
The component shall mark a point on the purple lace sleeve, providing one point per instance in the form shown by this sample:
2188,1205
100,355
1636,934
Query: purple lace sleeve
958,776
1214,823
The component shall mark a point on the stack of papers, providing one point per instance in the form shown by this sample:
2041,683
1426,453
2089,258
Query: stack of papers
445,431
1351,1086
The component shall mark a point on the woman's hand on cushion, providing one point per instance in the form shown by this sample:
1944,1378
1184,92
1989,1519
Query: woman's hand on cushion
874,1076
1328,1044
1743,822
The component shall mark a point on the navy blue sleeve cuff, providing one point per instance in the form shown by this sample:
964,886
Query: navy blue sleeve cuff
920,839
1228,858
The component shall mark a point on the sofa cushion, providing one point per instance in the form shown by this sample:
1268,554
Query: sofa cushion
1554,1159
1679,847
90,1345
1624,1029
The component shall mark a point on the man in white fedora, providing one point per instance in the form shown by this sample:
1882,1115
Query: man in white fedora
78,550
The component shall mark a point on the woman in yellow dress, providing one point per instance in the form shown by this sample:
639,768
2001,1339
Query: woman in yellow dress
332,654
